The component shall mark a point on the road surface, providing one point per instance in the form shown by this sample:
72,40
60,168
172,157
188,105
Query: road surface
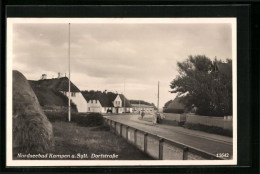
210,143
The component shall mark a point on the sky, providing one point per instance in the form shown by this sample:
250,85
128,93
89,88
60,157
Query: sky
104,56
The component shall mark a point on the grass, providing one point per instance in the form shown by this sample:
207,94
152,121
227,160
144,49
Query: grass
75,138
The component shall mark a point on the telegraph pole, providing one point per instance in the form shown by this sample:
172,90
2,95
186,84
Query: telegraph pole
69,107
139,107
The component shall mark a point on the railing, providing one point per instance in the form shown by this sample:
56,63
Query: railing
156,146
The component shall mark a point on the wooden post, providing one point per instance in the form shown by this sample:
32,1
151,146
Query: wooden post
145,142
185,153
161,148
135,138
115,128
121,129
127,133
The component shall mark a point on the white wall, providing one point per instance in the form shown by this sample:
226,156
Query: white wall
174,117
210,121
94,106
145,109
115,102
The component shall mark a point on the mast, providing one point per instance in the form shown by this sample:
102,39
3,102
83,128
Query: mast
124,96
69,107
158,96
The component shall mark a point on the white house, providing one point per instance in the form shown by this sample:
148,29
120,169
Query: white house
61,84
78,99
106,102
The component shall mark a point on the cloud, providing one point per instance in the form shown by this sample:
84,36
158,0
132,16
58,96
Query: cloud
103,55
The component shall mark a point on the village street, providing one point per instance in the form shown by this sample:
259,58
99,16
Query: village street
207,142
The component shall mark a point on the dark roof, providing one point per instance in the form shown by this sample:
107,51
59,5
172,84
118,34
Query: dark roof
57,84
127,103
141,102
176,104
225,68
105,99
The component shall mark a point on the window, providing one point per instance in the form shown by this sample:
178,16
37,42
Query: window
91,101
73,94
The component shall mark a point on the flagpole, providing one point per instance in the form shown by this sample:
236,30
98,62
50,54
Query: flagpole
69,107
158,96
124,95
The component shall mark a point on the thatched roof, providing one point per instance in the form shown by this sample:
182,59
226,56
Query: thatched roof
105,99
57,84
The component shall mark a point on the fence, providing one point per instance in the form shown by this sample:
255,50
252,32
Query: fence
223,122
156,146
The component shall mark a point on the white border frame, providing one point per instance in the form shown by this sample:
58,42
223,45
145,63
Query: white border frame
23,163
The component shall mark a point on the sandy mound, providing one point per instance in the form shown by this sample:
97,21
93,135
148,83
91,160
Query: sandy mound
32,131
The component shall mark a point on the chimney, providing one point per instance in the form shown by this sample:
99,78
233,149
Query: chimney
44,76
58,75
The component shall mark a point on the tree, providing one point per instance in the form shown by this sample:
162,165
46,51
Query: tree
201,84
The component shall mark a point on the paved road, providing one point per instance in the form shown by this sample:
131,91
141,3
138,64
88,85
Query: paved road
204,143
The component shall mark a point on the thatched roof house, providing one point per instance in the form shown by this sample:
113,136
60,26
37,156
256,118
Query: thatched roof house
54,91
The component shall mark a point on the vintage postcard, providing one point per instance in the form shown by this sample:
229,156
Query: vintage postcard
121,91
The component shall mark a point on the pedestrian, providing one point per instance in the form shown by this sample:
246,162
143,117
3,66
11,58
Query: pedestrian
142,114
158,117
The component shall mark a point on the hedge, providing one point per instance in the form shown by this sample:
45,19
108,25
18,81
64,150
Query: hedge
91,119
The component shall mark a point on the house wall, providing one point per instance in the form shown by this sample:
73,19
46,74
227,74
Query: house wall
94,106
78,100
147,109
117,102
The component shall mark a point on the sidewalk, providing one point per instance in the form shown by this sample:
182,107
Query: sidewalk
186,131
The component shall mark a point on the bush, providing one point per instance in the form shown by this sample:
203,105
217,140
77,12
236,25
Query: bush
82,119
209,129
92,119
174,111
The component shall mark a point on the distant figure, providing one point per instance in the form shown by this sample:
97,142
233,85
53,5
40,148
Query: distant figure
109,111
142,114
154,118
158,117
